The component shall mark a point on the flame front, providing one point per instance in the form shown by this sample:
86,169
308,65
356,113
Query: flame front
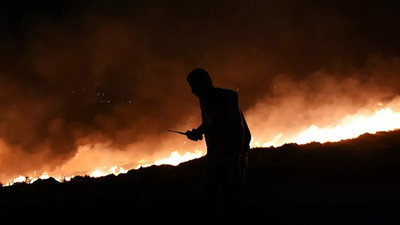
174,159
382,118
351,126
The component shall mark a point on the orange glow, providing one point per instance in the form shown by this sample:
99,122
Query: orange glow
104,172
100,159
174,159
18,180
29,180
351,126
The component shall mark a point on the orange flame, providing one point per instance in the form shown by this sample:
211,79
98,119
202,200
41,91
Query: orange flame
174,159
351,126
382,118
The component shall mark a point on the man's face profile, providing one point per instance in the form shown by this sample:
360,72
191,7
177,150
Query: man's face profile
200,82
198,91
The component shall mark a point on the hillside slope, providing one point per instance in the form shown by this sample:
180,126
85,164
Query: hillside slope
361,173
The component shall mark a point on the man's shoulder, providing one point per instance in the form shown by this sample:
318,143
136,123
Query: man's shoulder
225,95
226,92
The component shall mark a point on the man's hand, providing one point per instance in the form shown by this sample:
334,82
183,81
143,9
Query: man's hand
194,134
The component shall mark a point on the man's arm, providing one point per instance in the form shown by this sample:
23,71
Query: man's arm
197,134
201,128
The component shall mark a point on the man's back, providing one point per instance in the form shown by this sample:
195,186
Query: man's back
220,112
223,121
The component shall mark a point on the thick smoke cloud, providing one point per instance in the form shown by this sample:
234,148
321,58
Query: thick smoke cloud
79,81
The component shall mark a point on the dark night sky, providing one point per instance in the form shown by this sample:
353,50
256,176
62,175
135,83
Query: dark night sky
76,72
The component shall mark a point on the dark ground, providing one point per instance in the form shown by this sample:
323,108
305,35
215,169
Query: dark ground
348,182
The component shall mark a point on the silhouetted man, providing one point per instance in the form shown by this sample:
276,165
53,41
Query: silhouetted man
227,137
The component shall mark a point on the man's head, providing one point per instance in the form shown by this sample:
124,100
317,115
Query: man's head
200,82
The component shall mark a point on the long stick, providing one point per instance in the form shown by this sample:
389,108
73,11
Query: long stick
179,132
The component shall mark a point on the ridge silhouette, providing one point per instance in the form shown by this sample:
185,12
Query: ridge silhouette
347,182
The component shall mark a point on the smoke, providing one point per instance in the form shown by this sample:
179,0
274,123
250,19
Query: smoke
321,99
94,84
